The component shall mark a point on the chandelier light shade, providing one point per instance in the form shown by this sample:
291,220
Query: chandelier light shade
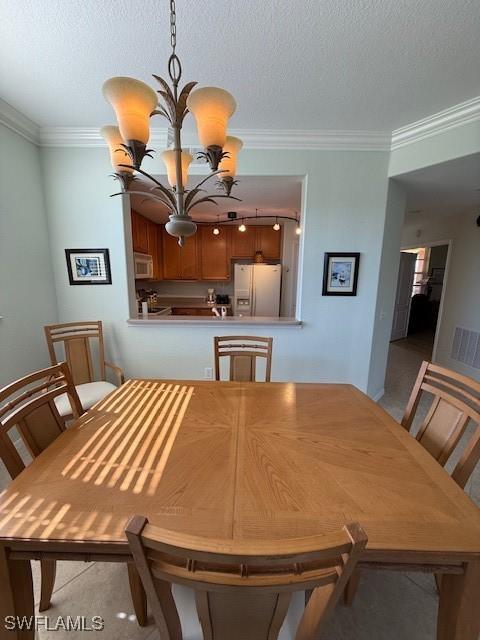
229,163
118,155
211,107
242,228
133,102
169,159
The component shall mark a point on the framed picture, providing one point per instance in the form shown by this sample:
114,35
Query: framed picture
88,266
340,274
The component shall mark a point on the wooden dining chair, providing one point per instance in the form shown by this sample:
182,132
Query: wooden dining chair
73,342
456,402
243,352
243,593
29,405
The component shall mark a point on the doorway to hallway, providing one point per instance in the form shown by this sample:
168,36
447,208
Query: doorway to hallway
418,303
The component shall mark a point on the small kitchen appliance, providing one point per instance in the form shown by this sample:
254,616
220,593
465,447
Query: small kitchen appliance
143,266
211,298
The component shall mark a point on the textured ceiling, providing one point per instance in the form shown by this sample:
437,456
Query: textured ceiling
315,64
271,195
445,189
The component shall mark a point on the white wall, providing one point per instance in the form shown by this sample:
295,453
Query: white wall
454,142
344,211
461,306
395,212
27,293
290,247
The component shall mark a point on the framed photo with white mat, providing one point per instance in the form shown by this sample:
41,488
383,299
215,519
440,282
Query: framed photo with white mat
88,266
340,274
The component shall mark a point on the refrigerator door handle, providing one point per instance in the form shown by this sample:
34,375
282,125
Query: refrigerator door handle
254,300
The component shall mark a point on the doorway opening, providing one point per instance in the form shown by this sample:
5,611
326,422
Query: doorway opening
418,303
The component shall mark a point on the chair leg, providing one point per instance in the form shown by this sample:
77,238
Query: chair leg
351,588
139,598
48,570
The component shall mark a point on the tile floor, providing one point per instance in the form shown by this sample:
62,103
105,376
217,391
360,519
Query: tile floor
389,606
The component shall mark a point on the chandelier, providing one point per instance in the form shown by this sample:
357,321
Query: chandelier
134,102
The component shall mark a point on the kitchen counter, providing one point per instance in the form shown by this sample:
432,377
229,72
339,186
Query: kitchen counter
214,321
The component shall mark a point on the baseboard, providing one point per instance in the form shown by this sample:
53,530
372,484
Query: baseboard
378,395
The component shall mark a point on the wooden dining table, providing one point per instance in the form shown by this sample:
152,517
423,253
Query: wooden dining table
238,461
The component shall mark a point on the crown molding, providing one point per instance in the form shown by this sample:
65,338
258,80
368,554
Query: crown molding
306,139
315,140
19,123
252,139
87,137
437,123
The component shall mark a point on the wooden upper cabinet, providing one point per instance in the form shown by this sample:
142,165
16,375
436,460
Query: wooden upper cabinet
170,257
189,259
269,242
208,257
139,233
257,238
159,266
179,263
243,244
215,254
155,249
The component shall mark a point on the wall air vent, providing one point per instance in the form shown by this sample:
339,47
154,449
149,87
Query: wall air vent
466,347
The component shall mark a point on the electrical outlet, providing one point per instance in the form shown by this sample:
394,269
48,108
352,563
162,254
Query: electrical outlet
208,373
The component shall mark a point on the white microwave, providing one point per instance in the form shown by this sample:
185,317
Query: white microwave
143,266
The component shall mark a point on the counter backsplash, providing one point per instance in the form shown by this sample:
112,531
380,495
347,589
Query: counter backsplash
185,289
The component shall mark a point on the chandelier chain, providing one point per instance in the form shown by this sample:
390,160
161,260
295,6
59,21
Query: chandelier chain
173,25
174,66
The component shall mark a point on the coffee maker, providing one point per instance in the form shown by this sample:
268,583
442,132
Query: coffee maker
211,297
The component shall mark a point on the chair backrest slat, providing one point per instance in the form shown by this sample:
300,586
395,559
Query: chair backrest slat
77,339
244,592
29,405
456,402
243,352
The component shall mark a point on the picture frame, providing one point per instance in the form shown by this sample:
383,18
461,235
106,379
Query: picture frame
340,274
88,266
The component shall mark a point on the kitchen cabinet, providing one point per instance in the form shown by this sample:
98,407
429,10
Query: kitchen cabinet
179,263
243,243
139,233
214,253
269,242
159,232
256,238
196,311
208,257
189,311
155,248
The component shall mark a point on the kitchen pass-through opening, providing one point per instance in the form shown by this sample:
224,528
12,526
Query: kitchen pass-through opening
243,261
